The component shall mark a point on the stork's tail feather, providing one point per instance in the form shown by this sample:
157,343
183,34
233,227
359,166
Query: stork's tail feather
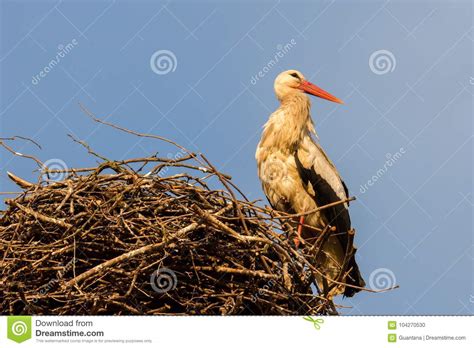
354,278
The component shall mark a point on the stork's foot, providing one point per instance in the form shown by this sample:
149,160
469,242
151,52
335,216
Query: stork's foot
299,240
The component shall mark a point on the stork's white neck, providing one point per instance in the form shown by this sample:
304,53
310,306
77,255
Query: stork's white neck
288,124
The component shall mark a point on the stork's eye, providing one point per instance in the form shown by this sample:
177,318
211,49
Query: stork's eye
295,75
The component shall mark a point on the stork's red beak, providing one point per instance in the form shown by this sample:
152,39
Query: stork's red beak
308,87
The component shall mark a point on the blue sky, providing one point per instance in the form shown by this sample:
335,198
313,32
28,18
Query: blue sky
403,68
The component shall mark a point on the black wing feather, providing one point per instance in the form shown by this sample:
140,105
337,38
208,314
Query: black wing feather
346,190
337,216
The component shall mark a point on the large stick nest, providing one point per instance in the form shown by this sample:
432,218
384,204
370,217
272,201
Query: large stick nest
121,238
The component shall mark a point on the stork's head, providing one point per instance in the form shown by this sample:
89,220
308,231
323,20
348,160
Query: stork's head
292,81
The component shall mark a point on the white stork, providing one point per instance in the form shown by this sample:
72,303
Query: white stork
297,176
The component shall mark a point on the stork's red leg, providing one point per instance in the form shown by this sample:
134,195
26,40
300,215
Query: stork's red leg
298,239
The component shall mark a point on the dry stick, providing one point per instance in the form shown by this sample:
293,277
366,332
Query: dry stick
224,182
103,266
125,306
144,135
40,216
228,177
22,138
222,269
321,240
88,148
19,154
286,276
166,161
19,181
45,257
226,228
131,254
66,197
